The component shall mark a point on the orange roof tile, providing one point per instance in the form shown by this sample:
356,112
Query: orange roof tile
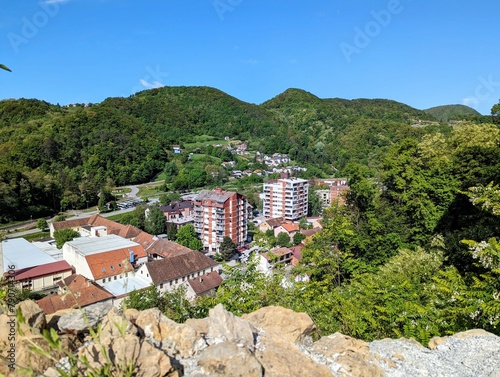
80,292
114,262
125,231
290,227
159,246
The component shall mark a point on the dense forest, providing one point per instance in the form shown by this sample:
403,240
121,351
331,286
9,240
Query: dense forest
412,253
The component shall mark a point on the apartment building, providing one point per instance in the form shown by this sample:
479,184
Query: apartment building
218,214
285,198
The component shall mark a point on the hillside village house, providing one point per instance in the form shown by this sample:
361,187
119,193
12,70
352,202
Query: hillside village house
268,260
31,267
289,228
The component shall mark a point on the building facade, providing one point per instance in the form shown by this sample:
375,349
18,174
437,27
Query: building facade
218,214
286,198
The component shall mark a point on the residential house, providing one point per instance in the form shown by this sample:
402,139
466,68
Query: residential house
177,149
178,214
159,248
74,292
198,273
288,228
272,258
271,224
95,226
218,214
30,267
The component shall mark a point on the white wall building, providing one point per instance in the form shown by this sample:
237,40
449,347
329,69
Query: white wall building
286,198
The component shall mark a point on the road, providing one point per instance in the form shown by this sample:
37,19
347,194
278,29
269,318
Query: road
74,214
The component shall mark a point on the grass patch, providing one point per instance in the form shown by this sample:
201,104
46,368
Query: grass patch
36,236
117,217
150,189
161,177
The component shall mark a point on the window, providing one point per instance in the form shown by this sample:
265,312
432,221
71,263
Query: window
120,265
103,269
161,286
115,277
112,267
176,281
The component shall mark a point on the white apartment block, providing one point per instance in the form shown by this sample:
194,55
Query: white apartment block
286,198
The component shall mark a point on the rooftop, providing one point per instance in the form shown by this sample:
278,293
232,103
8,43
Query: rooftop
126,285
43,270
94,245
22,254
205,283
167,269
81,293
217,195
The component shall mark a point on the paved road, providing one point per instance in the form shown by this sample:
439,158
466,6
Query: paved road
73,214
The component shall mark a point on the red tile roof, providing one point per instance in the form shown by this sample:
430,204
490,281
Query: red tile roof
125,231
310,232
114,262
81,292
205,283
43,270
159,246
175,267
290,227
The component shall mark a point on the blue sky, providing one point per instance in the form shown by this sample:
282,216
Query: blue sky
422,53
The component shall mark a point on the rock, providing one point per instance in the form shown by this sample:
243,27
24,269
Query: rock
114,325
53,319
280,358
176,339
437,340
34,317
227,359
131,314
200,325
27,358
84,319
293,327
124,352
225,326
348,356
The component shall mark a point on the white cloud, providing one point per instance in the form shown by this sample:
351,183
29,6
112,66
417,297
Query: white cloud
470,101
150,85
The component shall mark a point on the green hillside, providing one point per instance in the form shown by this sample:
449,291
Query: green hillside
447,112
52,156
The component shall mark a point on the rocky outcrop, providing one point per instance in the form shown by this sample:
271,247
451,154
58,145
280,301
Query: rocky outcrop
270,342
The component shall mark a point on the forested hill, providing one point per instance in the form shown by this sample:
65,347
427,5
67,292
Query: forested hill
51,153
447,112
